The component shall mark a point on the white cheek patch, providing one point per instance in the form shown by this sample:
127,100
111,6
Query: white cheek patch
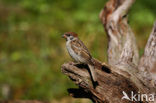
68,39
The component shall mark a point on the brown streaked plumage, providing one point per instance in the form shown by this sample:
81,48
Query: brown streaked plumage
79,52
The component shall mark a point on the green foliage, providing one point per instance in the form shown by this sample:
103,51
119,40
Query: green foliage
32,50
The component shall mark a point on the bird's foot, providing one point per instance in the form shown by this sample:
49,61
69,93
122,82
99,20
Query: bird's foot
71,63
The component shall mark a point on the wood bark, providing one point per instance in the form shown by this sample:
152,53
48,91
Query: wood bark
124,71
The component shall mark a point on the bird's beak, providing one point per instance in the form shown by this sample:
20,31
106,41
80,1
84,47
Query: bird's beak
63,36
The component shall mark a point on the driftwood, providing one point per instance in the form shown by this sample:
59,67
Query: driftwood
125,72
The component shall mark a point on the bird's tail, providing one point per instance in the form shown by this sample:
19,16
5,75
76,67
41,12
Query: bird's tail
93,73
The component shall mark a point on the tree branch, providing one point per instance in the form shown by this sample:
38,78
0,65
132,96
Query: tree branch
147,65
113,17
111,84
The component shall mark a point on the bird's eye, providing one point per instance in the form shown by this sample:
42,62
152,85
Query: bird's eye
68,34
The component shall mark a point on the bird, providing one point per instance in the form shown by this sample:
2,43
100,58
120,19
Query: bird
79,52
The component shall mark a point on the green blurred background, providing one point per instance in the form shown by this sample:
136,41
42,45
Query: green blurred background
32,50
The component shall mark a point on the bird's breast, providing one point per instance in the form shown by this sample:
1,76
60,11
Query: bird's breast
71,51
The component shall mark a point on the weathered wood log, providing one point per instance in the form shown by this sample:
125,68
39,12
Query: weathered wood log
147,64
124,73
111,84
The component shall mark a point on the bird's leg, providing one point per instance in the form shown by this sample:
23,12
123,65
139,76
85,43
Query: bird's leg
72,63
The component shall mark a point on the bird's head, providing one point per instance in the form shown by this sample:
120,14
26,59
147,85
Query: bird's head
69,35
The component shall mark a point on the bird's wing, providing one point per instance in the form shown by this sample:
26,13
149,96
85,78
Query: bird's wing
80,48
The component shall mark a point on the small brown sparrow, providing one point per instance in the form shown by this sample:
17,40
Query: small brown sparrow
79,52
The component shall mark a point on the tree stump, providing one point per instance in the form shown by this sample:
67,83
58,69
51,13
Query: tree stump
125,73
